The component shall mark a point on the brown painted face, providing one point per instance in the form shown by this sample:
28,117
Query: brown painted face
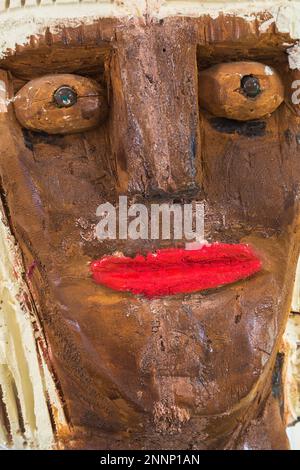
183,371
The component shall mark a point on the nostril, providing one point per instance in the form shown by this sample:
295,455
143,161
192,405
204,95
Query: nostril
184,196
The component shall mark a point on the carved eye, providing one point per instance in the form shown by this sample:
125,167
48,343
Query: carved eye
240,90
65,97
61,104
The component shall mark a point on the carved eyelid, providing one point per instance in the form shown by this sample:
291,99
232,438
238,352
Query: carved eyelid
221,90
37,104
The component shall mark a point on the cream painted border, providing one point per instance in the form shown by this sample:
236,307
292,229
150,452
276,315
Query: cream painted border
27,386
18,23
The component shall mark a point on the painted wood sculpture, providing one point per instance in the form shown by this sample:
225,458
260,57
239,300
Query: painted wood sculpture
159,104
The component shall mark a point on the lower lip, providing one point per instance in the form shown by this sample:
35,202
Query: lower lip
177,271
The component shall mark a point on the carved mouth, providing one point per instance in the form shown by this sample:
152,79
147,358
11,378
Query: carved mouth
177,271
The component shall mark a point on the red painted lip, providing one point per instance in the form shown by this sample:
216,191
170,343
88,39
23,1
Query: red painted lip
176,271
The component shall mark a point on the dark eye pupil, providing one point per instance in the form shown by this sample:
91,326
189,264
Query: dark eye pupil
65,97
250,86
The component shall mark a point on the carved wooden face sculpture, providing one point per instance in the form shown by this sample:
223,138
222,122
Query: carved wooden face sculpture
173,109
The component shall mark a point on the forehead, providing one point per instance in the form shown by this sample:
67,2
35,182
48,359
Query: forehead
34,34
21,18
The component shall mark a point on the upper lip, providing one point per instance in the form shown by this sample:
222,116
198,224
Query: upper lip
174,271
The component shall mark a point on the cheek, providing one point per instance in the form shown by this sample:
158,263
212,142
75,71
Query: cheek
249,174
64,178
71,173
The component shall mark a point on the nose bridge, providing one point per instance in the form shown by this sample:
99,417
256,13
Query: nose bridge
154,120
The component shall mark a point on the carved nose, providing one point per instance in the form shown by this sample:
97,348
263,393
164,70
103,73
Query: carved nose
154,126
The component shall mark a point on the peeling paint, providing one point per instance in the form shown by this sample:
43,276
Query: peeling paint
19,23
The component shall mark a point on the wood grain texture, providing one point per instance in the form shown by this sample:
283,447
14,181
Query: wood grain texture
188,371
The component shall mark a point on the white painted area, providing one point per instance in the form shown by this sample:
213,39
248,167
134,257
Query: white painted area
3,97
292,372
284,13
26,383
269,70
18,23
294,436
296,293
294,56
4,101
263,28
214,8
